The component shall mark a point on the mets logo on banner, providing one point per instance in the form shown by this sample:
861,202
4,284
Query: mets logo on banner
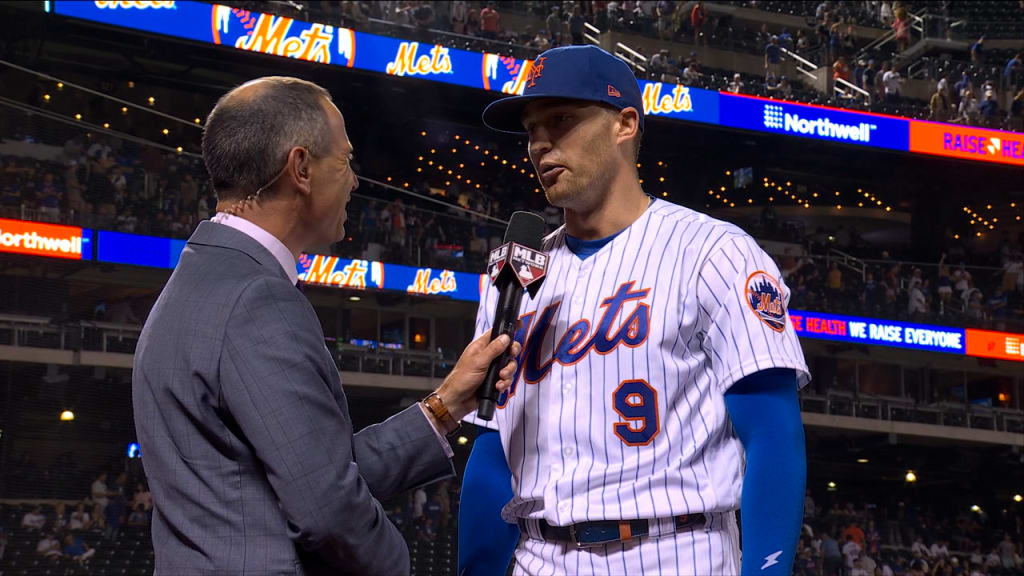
764,296
282,36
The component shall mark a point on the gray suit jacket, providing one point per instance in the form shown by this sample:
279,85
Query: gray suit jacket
245,432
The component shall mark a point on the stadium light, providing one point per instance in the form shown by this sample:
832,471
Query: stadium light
975,508
463,440
151,100
67,416
910,477
862,460
1017,498
46,97
354,298
831,486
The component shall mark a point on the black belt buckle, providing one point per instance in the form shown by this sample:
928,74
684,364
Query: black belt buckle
593,534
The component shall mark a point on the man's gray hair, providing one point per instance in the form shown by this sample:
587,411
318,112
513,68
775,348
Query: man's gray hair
253,127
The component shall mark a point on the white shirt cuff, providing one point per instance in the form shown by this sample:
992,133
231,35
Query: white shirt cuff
440,437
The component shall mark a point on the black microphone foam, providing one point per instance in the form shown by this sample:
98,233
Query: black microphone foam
525,228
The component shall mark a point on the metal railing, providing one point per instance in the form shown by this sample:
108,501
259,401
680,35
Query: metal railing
591,34
803,65
631,57
894,409
847,261
40,332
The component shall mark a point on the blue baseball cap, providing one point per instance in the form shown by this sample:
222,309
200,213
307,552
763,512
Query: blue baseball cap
570,72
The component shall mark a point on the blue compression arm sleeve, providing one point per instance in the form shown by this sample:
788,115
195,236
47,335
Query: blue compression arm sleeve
765,413
486,542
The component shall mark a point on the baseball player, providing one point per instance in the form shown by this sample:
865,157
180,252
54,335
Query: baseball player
656,392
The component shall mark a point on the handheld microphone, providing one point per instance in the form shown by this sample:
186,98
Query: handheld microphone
515,266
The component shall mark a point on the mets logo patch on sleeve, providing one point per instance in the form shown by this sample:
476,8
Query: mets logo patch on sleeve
764,296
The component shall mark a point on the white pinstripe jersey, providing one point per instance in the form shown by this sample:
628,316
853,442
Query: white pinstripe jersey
618,411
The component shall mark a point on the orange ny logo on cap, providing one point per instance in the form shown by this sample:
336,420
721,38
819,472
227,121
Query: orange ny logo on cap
535,72
613,92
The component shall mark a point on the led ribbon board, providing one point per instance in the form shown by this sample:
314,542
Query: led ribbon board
51,240
333,45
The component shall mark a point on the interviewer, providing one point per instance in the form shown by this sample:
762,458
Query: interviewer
245,432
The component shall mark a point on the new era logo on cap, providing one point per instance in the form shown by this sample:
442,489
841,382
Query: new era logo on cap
613,92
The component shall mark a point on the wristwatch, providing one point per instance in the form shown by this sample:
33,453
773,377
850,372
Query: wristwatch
436,407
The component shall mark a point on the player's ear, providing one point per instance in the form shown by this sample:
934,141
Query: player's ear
627,125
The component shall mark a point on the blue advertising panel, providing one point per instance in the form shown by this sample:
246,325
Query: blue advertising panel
287,37
877,332
680,102
138,250
332,45
338,272
817,122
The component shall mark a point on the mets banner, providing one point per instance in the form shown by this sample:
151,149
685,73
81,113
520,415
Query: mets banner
291,38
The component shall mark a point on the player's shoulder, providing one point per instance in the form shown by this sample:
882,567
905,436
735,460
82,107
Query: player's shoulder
690,224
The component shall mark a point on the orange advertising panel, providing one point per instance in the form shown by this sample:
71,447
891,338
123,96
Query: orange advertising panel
967,142
1002,345
37,239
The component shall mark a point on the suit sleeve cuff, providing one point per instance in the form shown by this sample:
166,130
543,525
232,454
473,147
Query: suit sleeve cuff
440,437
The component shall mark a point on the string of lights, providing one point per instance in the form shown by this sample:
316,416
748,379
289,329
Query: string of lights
798,195
982,222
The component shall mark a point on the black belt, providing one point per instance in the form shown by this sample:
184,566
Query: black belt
599,533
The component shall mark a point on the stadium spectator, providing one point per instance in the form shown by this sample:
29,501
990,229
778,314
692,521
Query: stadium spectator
698,16
968,113
34,519
919,547
892,81
75,548
1008,553
938,107
460,16
100,491
1013,72
772,58
833,556
142,497
901,25
853,531
553,24
489,21
660,62
80,519
48,546
1016,115
139,516
977,52
115,515
736,86
989,108
61,517
576,25
419,502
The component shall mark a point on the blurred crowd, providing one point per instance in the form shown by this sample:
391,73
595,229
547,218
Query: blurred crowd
63,529
844,539
980,87
838,271
426,513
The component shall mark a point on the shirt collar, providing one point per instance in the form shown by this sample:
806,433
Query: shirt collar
277,248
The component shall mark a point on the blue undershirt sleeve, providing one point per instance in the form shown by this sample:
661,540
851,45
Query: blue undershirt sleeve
486,542
765,413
